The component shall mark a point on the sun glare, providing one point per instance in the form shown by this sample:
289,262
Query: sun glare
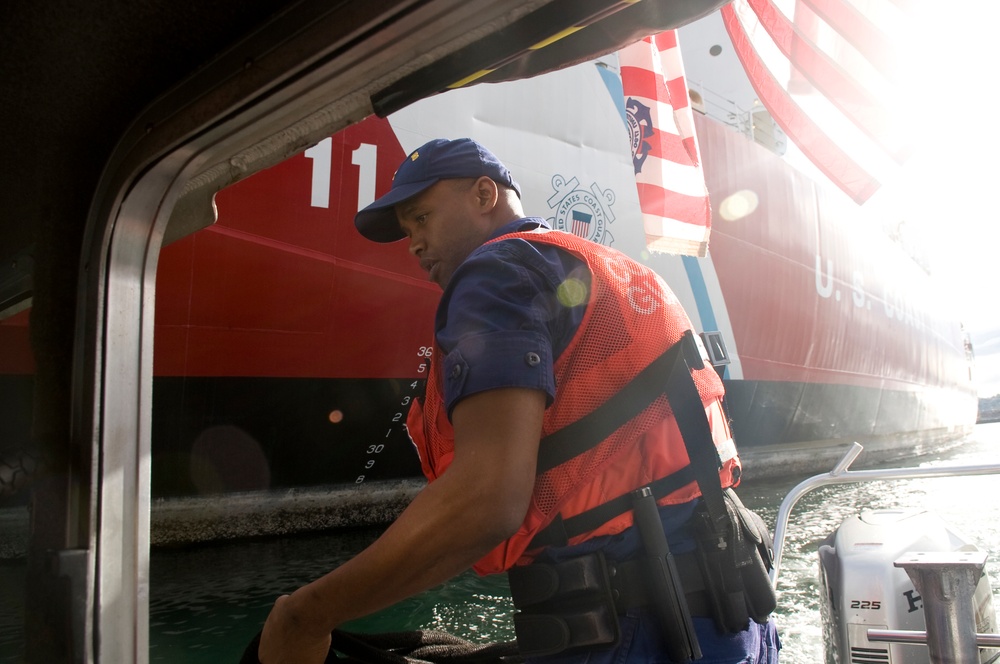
949,189
950,184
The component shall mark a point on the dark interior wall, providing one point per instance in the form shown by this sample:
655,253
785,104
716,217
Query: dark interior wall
74,75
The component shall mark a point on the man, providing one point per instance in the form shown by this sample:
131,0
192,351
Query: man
535,330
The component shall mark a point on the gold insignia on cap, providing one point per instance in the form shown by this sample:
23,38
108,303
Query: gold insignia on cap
413,157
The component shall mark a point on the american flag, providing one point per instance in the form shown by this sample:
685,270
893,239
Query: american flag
672,194
581,223
824,70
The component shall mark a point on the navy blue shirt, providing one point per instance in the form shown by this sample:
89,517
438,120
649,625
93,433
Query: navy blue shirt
508,312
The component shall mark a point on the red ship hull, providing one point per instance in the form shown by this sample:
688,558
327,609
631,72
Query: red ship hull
287,348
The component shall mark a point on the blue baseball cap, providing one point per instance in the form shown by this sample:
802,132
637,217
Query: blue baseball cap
424,167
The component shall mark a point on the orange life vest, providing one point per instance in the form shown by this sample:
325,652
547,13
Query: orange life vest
632,317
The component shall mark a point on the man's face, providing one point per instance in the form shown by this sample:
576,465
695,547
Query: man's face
444,225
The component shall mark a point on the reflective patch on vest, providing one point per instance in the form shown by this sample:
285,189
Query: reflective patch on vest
727,449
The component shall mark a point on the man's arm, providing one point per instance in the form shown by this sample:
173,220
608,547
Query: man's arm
477,503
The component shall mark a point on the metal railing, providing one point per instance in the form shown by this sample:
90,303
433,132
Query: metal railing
841,475
946,581
755,122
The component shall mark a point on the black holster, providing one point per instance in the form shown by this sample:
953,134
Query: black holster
736,555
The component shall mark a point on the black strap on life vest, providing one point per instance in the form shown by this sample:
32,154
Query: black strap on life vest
648,385
586,433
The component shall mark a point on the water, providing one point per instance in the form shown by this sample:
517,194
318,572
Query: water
207,602
479,608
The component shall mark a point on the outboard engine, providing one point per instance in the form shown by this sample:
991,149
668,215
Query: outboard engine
862,589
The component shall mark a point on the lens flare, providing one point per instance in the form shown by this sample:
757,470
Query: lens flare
572,292
738,205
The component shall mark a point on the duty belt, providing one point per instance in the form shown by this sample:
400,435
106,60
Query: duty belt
576,603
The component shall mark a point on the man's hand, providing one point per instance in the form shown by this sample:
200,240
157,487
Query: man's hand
479,501
286,640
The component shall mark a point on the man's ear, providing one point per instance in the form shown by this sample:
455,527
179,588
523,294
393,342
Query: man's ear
487,193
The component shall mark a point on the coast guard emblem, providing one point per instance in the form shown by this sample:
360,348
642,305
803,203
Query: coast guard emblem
640,127
583,212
